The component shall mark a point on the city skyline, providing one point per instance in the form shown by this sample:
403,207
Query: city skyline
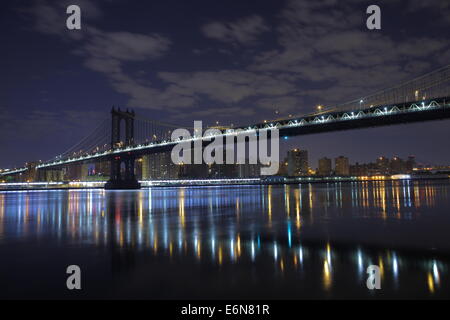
159,166
310,165
240,64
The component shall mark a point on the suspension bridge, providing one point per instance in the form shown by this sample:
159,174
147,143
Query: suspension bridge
421,99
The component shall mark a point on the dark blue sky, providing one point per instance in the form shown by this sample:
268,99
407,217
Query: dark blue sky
229,61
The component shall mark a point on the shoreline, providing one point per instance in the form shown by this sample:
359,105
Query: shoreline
214,182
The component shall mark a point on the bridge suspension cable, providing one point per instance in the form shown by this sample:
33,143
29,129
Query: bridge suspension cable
434,84
99,138
147,131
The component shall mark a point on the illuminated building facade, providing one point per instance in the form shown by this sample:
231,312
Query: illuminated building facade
342,167
297,162
325,166
160,166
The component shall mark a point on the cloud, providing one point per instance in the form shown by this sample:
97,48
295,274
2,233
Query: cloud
227,86
218,113
37,124
110,52
281,104
325,44
50,17
244,31
125,46
324,55
431,5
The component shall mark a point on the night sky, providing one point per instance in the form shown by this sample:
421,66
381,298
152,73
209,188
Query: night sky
229,61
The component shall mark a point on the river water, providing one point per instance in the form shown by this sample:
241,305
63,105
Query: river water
229,242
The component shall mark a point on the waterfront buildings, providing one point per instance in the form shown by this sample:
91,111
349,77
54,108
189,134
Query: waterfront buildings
325,168
159,166
342,167
297,161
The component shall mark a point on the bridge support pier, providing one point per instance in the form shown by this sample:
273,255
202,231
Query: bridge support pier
122,177
126,178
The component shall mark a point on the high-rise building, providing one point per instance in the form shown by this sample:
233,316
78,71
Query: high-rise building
397,165
342,166
53,175
31,174
297,162
410,164
73,172
219,171
84,171
247,170
283,168
358,169
383,165
160,166
138,165
103,169
145,167
194,171
325,166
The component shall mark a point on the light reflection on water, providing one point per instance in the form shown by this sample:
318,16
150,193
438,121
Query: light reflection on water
311,240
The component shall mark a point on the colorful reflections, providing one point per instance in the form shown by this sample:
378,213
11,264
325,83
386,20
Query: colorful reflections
227,227
89,212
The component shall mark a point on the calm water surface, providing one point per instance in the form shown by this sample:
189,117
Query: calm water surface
294,241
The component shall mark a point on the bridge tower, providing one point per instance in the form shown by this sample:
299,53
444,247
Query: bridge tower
122,179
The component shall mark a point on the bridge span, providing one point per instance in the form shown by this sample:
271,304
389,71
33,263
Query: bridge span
422,99
416,111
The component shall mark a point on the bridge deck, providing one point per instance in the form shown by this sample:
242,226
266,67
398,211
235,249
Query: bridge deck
414,111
